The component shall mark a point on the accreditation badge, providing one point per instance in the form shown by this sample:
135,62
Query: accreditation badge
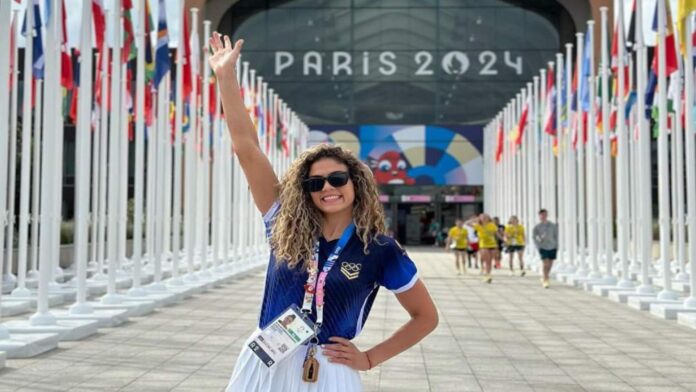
282,336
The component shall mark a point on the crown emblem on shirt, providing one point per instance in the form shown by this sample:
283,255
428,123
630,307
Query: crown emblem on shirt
350,270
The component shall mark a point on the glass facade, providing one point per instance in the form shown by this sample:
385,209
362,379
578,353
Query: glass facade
405,84
398,61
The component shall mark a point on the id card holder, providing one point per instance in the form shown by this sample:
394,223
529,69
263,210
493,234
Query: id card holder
285,334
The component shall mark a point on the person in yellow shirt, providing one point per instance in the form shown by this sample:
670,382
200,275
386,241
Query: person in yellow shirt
487,232
515,241
457,240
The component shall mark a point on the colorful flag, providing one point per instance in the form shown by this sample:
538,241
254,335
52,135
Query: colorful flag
128,52
585,73
550,115
99,20
162,64
684,9
149,59
38,59
670,48
500,142
12,50
523,121
66,74
187,81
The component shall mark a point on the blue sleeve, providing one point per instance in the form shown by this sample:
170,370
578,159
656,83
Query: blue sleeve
399,272
270,217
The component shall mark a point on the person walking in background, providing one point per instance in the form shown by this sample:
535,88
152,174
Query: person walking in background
515,242
545,235
473,248
457,240
487,231
436,233
500,240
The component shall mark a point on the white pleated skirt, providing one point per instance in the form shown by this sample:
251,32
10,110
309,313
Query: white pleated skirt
251,375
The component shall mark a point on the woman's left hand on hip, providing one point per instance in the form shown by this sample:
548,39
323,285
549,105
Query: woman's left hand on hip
343,351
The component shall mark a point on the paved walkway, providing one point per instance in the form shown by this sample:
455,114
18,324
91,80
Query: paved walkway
508,336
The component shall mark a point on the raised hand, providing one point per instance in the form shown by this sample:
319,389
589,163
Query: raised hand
224,58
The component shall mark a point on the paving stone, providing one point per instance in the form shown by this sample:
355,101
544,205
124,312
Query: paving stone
507,336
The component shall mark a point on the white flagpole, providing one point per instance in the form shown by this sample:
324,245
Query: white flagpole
21,290
581,226
622,177
142,38
5,18
558,156
82,162
57,271
114,130
167,172
678,165
178,154
204,184
161,142
570,170
48,173
606,209
690,302
103,152
123,179
8,278
592,227
191,158
36,179
662,161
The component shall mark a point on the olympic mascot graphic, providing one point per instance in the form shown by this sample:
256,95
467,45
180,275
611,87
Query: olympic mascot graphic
391,168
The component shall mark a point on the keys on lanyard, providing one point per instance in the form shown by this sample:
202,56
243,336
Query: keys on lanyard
315,285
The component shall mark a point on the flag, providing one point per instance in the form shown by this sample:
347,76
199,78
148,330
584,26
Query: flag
187,82
12,51
615,52
563,88
76,87
149,59
128,51
38,58
670,48
99,20
162,65
66,74
585,73
550,115
523,121
500,142
630,37
684,9
212,91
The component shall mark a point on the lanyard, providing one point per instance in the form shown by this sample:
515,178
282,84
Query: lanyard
316,280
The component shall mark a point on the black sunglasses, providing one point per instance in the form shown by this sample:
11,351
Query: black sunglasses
316,183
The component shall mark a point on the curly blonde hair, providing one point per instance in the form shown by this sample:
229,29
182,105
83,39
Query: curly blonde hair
299,221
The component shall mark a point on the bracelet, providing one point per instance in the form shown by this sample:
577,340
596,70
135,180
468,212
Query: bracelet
369,363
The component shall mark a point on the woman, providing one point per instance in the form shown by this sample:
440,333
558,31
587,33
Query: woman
515,240
457,240
326,194
473,248
486,231
500,241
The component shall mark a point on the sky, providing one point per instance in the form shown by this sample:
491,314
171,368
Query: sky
173,16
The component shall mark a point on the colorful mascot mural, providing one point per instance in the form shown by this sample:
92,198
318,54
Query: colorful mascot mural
413,154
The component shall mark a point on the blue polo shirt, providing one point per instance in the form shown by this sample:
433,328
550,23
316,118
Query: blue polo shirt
351,286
